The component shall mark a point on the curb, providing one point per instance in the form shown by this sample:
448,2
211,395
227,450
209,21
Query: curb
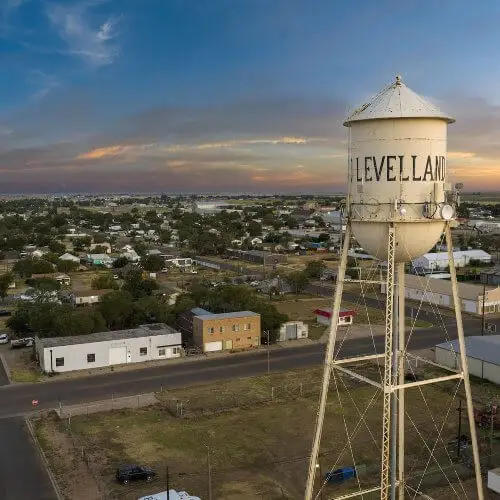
42,456
6,368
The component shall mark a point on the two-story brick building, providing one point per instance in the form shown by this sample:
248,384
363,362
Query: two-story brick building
218,332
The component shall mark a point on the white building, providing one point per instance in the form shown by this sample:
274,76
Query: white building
439,292
87,297
483,356
144,343
439,261
324,317
292,330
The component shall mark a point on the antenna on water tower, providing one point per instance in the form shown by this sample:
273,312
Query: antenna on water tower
397,209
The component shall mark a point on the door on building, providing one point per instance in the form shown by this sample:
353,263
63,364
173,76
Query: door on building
129,357
213,346
117,355
228,344
291,332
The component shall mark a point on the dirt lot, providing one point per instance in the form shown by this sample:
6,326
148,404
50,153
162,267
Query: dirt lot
258,439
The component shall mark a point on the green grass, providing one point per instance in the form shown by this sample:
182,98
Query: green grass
26,376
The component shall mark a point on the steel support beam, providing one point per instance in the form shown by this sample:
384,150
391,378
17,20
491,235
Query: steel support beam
327,367
463,362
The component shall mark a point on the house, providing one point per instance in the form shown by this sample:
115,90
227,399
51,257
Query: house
483,356
87,297
79,352
218,332
256,241
439,292
131,255
181,263
437,261
99,259
69,257
324,316
61,278
490,277
292,330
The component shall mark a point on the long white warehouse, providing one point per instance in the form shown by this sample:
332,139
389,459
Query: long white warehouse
440,261
144,343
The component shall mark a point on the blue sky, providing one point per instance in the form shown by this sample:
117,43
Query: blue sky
230,95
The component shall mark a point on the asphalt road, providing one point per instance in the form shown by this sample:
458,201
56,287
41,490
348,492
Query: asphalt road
22,475
16,399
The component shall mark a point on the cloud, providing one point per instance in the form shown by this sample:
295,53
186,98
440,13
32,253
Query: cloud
44,82
96,45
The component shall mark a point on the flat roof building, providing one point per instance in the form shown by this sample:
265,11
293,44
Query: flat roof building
78,352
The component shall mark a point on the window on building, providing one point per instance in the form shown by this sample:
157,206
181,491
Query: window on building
91,358
162,352
59,361
237,340
249,326
245,327
143,351
176,350
236,328
249,338
221,329
210,329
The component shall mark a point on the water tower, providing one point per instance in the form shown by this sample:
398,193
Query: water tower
398,206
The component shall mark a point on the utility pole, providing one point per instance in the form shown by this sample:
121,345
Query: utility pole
268,356
459,434
209,470
168,484
490,437
483,317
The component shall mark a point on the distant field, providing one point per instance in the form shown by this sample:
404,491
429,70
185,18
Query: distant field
481,197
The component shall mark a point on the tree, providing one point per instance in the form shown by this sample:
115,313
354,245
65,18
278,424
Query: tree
44,284
165,236
137,286
26,267
66,266
153,263
104,281
5,280
100,249
120,262
298,280
254,229
150,310
56,247
315,268
116,309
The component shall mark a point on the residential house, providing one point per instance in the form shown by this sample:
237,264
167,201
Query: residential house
218,332
79,352
61,278
69,257
87,297
105,245
99,259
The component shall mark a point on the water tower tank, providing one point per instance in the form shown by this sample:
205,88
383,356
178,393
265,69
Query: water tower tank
397,172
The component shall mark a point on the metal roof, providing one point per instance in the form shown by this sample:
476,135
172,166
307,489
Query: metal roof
485,348
457,254
396,101
198,311
150,330
238,314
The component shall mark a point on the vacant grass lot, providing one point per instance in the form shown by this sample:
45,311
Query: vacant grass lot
258,438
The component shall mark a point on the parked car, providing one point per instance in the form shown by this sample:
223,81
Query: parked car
127,473
4,312
18,343
4,338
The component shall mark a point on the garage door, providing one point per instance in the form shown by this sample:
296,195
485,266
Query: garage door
291,332
117,355
213,346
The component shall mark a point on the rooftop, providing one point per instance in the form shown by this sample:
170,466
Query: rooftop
396,101
238,314
485,348
141,331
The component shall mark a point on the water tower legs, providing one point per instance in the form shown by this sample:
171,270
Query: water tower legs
463,364
328,366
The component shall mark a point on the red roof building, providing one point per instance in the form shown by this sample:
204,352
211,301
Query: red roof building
324,316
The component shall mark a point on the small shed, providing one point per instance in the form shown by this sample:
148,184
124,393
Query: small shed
324,316
292,330
144,343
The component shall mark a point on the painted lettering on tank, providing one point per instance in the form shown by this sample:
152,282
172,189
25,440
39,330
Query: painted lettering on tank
367,169
392,168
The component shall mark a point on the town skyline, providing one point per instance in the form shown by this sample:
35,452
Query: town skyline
116,97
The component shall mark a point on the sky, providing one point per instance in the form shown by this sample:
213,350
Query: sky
238,96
